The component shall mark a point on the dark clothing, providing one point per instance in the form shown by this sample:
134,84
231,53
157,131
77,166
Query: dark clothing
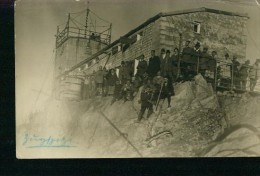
167,91
127,91
153,66
175,66
189,62
175,60
124,74
141,67
203,65
146,98
117,93
234,68
211,64
166,66
236,75
187,54
111,79
196,54
244,72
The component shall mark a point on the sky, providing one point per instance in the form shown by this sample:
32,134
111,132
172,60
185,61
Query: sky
36,25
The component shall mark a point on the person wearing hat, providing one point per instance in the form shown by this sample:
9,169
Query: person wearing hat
141,69
167,90
124,72
235,72
99,79
175,62
146,100
244,74
194,62
166,65
153,65
111,81
204,58
162,55
117,95
185,59
224,71
254,74
86,87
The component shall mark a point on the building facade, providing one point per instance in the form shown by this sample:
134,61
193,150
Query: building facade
222,31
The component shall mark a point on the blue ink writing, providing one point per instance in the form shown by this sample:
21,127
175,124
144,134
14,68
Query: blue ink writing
35,141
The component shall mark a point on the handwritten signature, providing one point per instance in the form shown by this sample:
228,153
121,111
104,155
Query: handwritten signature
36,141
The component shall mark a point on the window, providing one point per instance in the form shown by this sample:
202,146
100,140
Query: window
196,27
116,49
138,37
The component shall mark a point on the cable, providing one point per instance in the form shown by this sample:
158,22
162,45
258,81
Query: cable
75,23
122,134
43,83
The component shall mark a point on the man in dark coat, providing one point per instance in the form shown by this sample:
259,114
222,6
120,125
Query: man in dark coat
175,62
196,54
162,55
146,100
124,73
186,58
167,90
166,65
141,68
153,65
186,52
111,81
235,72
203,62
117,92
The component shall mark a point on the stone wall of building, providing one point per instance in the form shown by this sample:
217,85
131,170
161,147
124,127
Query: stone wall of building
149,40
222,33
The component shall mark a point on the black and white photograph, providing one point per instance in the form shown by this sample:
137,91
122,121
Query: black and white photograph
137,78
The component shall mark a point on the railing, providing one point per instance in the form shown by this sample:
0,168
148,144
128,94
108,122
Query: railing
224,75
62,36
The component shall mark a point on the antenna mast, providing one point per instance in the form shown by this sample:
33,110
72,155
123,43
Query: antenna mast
86,22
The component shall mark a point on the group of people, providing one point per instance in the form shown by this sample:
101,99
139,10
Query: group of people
157,75
240,74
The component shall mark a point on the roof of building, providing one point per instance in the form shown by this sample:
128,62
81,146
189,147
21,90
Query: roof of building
152,19
204,9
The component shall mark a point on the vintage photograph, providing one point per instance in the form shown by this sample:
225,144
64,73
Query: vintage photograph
137,78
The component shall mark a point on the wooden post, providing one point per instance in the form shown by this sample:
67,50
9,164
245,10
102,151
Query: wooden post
110,29
179,59
198,64
215,76
232,76
86,22
68,25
